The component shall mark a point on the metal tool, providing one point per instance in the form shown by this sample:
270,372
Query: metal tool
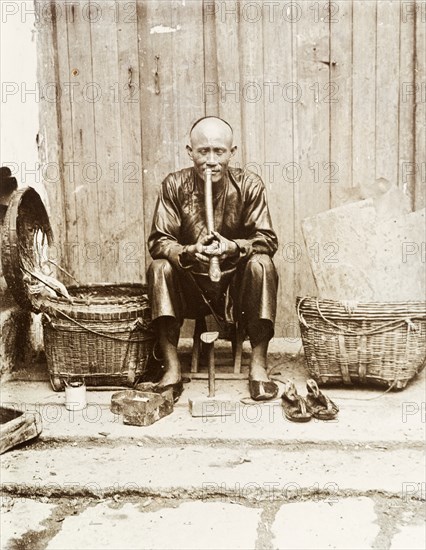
208,339
213,405
214,268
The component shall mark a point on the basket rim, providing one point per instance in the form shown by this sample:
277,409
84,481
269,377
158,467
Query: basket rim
361,304
360,310
90,287
95,303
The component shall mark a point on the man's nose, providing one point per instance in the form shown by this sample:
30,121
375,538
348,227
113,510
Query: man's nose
211,159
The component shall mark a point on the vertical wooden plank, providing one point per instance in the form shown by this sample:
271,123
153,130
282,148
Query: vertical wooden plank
341,106
227,20
210,88
156,100
187,72
104,58
364,92
251,82
406,124
131,237
82,131
387,87
312,133
50,136
71,79
420,107
279,153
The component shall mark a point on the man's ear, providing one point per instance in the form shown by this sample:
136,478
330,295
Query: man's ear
233,150
189,151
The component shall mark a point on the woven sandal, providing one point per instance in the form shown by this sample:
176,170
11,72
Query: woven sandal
319,405
262,391
294,405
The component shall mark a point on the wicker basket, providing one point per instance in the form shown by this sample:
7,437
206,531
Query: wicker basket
372,343
104,335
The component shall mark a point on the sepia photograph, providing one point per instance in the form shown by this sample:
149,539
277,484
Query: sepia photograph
212,275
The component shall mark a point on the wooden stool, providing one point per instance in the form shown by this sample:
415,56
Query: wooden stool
237,340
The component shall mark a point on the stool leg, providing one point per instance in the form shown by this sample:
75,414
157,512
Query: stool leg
200,327
212,374
237,349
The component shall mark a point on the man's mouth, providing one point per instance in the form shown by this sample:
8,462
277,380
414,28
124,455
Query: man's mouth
214,172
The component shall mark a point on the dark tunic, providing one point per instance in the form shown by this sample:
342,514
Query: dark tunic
241,214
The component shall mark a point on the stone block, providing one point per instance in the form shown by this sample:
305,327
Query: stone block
340,254
398,267
368,251
142,408
220,405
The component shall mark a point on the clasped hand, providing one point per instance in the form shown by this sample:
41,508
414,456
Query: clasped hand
213,244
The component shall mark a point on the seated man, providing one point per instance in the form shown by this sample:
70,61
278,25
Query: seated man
178,281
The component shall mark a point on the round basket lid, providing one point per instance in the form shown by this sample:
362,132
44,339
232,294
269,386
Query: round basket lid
26,235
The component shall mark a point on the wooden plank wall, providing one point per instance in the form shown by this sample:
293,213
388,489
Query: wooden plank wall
327,102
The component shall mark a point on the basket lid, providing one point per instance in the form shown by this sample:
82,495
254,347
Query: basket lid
26,235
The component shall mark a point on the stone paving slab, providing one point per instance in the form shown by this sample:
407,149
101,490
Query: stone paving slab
410,537
198,472
189,526
18,516
346,525
367,417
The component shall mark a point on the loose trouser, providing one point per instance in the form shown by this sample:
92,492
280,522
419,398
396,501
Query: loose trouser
247,294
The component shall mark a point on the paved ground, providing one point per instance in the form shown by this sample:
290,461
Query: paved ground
154,523
250,480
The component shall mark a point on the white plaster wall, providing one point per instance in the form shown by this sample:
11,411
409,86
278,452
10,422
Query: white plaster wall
20,97
19,111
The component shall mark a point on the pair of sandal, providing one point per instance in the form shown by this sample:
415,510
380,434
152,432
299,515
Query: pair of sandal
302,409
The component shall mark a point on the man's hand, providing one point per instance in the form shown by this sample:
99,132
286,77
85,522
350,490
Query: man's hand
202,250
224,247
211,245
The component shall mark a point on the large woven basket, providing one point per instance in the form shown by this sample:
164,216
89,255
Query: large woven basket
372,343
103,336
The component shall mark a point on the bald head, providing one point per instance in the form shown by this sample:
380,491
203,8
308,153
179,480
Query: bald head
211,128
211,145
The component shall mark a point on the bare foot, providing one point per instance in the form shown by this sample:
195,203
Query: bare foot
258,372
258,362
171,376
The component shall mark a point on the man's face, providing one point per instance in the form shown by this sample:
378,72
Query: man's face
211,147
